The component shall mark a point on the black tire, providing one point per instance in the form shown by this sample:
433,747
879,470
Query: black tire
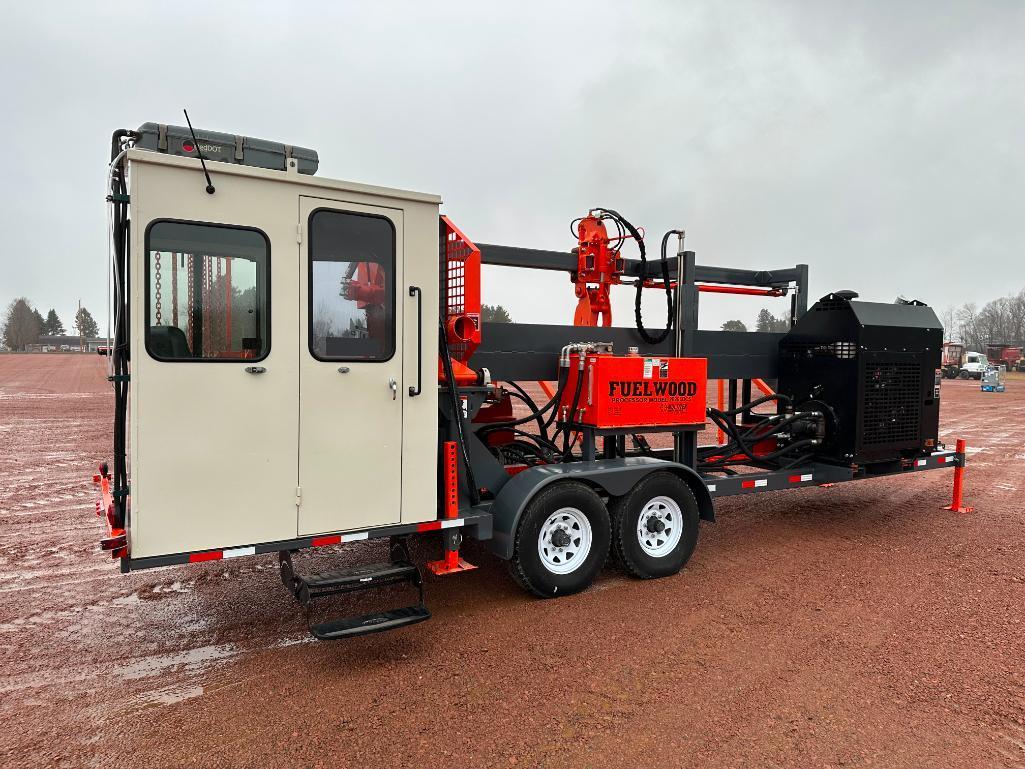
527,566
964,375
626,512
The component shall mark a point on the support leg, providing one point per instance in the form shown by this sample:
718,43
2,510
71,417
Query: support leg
957,503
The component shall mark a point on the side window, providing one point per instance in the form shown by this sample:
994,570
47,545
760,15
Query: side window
207,292
352,291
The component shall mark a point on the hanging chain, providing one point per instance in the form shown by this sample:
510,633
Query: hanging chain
192,300
160,320
174,290
207,272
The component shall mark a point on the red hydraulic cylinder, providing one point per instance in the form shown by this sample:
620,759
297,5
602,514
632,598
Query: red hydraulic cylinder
742,290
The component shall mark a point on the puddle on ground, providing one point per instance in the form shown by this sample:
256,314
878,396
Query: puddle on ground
194,659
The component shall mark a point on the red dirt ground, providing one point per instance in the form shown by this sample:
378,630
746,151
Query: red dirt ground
858,625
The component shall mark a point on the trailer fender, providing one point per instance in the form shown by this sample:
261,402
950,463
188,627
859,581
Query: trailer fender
613,476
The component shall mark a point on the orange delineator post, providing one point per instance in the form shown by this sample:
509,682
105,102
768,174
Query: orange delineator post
957,503
451,562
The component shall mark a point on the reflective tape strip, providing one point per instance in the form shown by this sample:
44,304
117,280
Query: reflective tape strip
429,526
711,486
355,537
451,523
754,484
334,539
239,551
211,555
800,478
921,462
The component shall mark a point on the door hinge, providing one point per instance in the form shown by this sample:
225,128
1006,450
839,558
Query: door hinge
298,233
298,496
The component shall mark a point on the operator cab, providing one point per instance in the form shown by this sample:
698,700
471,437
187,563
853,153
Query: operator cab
277,350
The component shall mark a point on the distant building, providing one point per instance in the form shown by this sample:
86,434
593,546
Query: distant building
67,344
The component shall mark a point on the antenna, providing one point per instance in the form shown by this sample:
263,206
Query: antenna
209,185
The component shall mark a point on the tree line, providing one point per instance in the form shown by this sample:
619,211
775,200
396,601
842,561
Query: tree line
23,325
765,321
1000,321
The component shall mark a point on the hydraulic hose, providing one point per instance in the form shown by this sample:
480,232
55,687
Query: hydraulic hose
534,415
118,349
566,448
552,449
740,441
670,313
457,412
754,403
767,457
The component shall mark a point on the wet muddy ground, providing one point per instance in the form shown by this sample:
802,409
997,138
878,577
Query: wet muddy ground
857,625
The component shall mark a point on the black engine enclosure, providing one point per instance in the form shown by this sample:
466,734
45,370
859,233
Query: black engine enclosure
873,366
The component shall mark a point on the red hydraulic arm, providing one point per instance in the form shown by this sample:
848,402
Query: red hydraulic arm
597,263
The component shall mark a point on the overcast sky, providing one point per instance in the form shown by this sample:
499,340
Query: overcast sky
881,143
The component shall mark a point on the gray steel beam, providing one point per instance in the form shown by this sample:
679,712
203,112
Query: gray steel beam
532,258
525,352
564,261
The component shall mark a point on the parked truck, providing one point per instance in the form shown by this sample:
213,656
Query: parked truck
300,363
1007,355
957,362
953,356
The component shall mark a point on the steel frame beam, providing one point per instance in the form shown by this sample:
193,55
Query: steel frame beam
566,261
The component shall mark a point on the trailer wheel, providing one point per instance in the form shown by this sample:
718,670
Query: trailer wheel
655,526
964,374
562,540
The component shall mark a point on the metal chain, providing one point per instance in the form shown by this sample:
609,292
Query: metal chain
160,320
192,299
174,289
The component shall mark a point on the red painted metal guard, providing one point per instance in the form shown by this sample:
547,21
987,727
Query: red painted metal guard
460,291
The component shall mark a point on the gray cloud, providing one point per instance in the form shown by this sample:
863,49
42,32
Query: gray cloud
881,143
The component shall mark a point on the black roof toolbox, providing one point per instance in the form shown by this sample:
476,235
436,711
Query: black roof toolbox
227,148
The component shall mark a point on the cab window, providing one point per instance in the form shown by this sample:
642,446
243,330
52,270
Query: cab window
207,292
351,286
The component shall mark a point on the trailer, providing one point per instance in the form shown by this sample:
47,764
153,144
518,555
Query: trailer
1007,355
300,363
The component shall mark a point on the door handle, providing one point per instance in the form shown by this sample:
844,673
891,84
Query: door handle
255,369
415,291
394,388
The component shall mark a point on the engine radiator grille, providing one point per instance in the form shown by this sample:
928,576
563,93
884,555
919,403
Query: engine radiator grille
892,404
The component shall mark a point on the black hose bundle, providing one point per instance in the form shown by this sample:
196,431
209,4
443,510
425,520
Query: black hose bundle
741,441
670,304
567,449
119,348
457,412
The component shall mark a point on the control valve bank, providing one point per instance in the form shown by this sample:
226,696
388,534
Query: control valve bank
300,363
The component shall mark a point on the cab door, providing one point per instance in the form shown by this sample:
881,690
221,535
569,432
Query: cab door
214,384
350,366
